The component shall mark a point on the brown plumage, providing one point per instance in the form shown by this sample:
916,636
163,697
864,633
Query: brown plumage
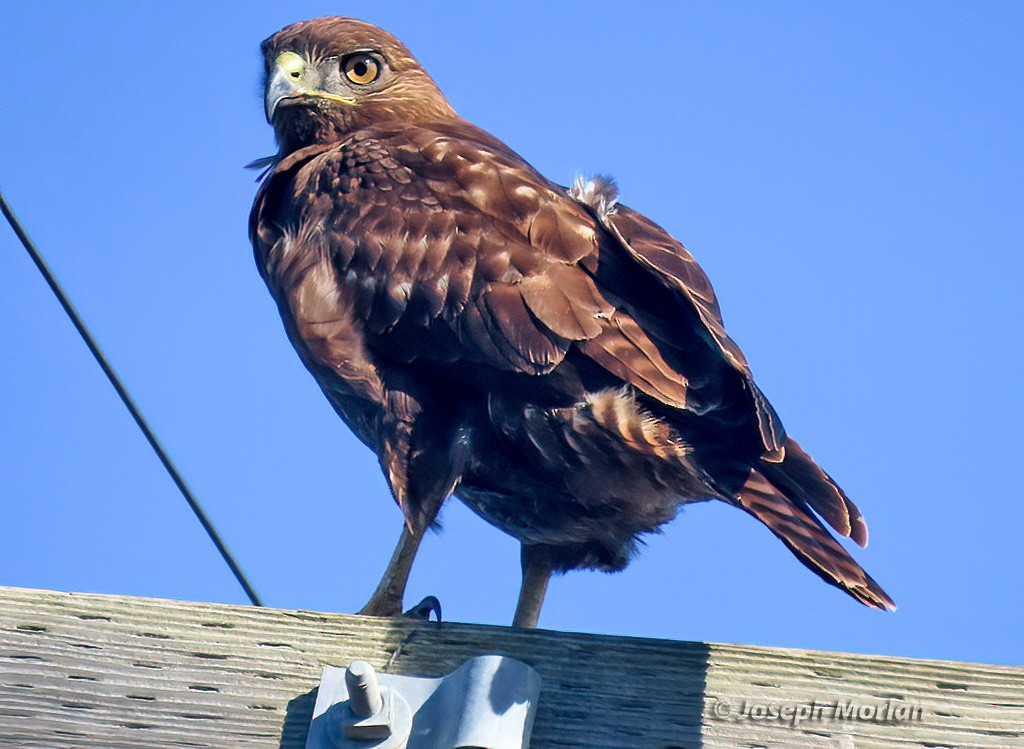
548,355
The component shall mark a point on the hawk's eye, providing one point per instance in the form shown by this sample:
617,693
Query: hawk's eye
361,68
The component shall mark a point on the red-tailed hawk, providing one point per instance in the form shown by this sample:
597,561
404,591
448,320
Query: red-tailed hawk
551,357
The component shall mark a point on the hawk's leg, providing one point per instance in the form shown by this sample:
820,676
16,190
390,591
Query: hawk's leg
536,573
387,599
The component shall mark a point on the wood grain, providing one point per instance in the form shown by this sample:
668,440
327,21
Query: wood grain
81,670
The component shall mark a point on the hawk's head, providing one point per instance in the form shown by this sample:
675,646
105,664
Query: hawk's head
331,75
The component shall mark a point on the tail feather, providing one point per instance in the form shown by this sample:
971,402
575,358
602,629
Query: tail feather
785,510
803,480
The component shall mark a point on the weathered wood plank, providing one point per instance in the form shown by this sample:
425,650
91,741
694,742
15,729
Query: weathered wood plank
106,671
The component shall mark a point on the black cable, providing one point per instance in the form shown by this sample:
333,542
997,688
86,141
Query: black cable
108,370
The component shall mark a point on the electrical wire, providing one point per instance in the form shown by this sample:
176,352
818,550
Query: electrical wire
108,370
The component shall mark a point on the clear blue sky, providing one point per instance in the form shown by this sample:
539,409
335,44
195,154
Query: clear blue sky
850,177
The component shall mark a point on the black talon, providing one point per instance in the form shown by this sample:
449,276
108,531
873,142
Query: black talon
422,609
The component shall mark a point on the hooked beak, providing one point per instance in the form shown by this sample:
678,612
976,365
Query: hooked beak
291,80
279,87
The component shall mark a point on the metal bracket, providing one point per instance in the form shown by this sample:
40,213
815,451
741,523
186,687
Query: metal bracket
487,703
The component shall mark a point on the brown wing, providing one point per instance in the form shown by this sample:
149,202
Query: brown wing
454,250
658,251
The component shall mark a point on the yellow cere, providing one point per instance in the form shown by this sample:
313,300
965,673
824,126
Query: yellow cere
292,64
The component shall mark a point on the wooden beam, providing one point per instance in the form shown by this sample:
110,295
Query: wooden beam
82,670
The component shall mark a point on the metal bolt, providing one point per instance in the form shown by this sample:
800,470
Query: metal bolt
363,689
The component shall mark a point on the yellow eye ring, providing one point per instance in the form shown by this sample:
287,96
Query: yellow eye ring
361,68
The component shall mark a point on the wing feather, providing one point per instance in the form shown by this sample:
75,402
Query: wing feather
566,302
667,259
516,333
624,349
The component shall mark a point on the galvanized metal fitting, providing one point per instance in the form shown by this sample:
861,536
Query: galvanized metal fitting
487,703
373,716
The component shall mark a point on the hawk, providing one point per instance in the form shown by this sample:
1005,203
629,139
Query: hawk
551,357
